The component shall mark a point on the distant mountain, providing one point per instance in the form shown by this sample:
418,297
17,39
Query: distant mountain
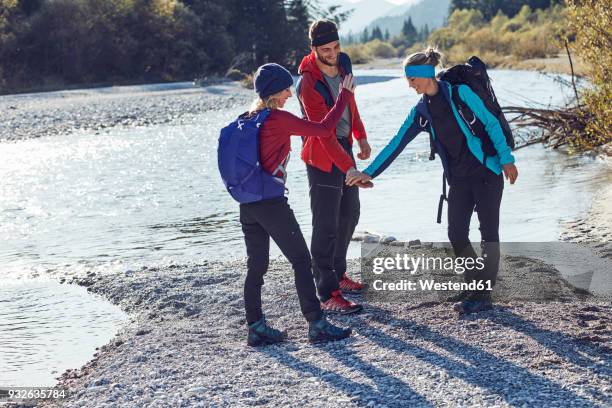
402,8
430,12
363,13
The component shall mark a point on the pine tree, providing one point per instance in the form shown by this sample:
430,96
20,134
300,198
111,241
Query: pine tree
365,36
376,34
261,35
298,21
409,32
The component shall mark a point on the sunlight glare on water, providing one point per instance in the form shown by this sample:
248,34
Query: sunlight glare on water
152,195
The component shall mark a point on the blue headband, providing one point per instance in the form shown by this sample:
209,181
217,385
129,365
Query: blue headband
420,71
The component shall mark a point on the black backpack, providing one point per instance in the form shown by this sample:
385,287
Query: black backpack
474,74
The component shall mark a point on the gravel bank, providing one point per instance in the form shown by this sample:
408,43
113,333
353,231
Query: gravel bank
186,347
35,115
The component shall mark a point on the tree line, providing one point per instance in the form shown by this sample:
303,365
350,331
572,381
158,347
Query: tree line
408,36
56,43
490,8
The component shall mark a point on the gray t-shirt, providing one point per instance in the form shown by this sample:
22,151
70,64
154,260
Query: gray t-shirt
343,129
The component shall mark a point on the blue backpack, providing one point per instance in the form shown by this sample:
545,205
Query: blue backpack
239,165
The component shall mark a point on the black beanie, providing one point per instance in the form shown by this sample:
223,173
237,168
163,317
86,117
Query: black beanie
270,79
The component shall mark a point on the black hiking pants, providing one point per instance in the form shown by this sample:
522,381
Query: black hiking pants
335,213
480,192
274,218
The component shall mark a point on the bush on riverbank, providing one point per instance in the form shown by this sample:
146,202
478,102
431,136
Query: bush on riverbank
529,34
502,41
46,44
589,22
362,53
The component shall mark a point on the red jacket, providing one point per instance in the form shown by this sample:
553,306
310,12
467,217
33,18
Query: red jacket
275,133
316,100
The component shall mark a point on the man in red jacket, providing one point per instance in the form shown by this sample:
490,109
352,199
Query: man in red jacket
335,206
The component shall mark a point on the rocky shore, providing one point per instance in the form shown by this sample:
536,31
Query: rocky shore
186,347
54,113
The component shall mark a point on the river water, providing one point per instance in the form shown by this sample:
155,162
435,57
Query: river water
152,196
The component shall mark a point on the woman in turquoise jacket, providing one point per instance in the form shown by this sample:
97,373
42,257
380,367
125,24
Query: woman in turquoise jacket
475,178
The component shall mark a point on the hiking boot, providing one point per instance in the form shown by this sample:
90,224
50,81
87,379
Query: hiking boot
321,331
474,304
459,297
338,304
261,334
347,285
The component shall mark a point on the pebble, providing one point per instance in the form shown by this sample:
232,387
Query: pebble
429,357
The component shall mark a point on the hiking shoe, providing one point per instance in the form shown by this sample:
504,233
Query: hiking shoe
338,304
261,334
459,297
321,331
474,305
348,285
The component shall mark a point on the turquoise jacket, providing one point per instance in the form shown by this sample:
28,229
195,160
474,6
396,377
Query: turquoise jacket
419,120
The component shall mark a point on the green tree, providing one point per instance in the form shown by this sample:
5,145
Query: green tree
589,22
8,8
409,32
59,42
423,33
489,8
298,20
259,30
365,36
335,12
376,34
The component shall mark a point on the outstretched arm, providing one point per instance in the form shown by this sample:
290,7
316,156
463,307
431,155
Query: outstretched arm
406,133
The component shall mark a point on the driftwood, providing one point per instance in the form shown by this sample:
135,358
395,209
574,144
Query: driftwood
553,127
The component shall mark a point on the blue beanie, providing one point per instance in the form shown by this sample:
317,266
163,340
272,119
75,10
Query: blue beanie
270,79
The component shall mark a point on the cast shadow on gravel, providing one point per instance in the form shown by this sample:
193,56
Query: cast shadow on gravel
361,394
575,350
483,369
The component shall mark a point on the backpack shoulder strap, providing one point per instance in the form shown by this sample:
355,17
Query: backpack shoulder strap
464,110
473,123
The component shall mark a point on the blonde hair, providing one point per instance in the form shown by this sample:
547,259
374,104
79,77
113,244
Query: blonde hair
430,56
269,102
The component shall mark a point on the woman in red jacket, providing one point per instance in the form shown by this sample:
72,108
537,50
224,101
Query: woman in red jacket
273,217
